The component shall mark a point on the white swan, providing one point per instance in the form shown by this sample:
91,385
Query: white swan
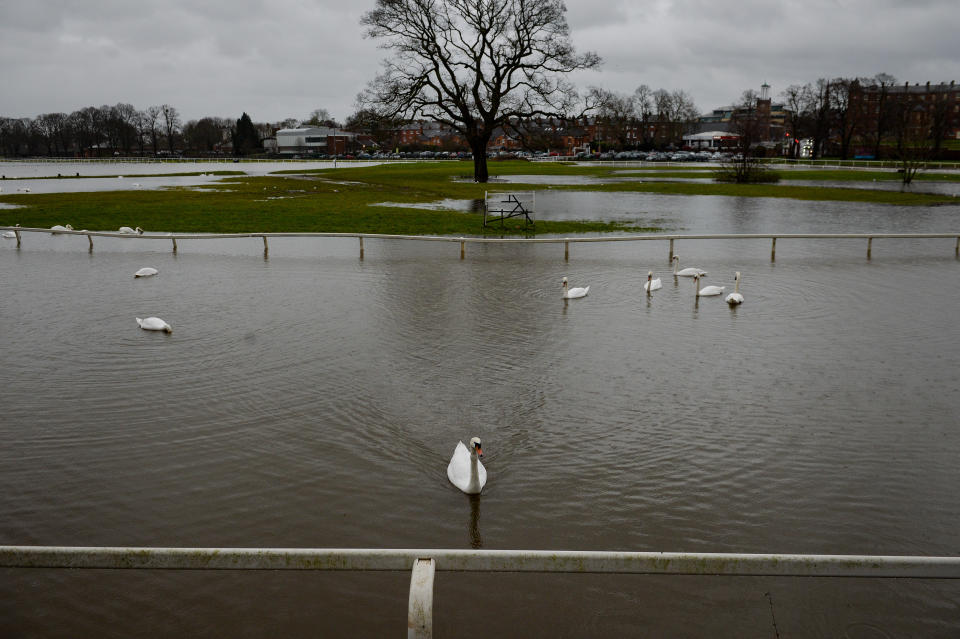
146,271
56,228
706,291
24,189
128,230
154,324
465,470
576,291
9,234
735,298
687,272
652,284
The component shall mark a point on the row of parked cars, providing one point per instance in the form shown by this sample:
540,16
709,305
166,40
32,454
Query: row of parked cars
658,156
651,156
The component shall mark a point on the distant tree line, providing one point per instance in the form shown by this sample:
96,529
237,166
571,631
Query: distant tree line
839,117
124,130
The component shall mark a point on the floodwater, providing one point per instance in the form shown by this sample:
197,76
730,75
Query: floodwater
79,176
313,399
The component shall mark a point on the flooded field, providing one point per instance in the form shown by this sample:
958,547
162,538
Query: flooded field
313,399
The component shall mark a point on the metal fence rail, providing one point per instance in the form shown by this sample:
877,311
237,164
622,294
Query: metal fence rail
463,240
423,563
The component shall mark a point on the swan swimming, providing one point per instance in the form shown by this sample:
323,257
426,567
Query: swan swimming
576,291
146,271
128,230
735,298
9,234
465,470
56,228
154,324
652,284
706,291
687,272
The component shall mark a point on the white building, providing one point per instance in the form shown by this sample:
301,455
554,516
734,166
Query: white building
313,141
711,140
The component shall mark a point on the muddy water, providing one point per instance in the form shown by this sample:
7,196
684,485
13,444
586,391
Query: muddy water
314,399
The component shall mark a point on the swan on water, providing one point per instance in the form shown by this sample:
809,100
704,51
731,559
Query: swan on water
146,271
9,234
465,470
735,298
127,229
652,284
56,228
154,324
706,291
24,189
687,272
576,291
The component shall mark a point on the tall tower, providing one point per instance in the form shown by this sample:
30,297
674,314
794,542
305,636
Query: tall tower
763,110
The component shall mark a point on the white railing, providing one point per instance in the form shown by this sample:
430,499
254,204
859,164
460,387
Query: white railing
423,563
861,164
566,241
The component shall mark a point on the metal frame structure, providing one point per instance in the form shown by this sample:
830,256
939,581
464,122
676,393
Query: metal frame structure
509,207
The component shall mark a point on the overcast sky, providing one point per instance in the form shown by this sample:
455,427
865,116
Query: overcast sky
276,59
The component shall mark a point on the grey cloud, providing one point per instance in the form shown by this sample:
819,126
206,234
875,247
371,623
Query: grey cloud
283,58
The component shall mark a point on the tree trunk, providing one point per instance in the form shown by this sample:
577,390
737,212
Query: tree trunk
478,146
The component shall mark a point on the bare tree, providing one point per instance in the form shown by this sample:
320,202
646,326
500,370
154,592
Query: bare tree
49,126
203,135
847,113
171,124
940,110
87,129
123,121
382,130
151,120
616,117
912,130
644,105
322,117
749,126
883,117
797,100
820,113
473,65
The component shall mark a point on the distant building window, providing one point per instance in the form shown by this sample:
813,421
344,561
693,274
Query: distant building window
315,139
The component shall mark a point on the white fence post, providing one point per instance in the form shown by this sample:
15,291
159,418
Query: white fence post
420,608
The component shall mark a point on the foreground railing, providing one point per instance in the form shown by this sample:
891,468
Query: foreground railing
425,562
566,241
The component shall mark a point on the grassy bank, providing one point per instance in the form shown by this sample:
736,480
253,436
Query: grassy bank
282,203
345,200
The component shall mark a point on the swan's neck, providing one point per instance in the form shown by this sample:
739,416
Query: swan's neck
676,265
736,287
474,471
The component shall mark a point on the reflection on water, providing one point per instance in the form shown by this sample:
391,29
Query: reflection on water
476,540
311,399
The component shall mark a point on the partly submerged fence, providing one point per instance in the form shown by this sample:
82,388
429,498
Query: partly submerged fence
566,241
424,563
